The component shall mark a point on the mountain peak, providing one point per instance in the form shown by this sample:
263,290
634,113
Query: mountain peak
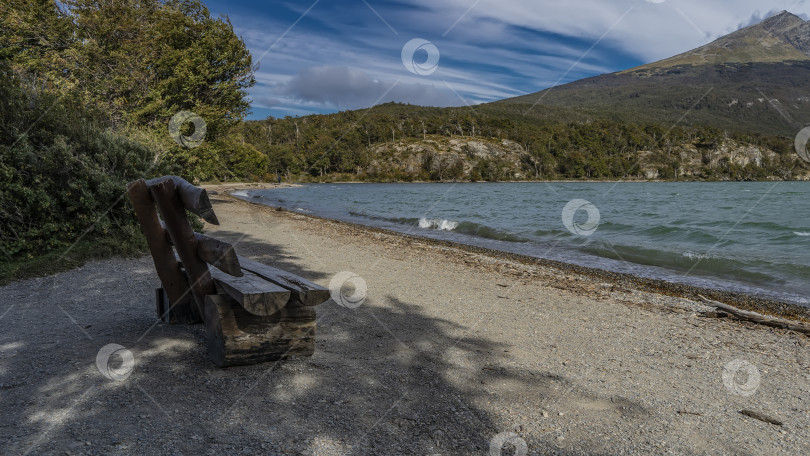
781,22
779,38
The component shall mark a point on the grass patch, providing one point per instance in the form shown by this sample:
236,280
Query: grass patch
128,242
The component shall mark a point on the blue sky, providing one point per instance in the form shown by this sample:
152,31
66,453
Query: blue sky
322,56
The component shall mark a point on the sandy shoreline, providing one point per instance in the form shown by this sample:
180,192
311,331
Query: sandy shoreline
453,351
740,300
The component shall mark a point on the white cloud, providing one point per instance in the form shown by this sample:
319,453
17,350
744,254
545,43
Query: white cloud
344,87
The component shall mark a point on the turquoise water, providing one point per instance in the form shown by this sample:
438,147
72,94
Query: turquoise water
750,237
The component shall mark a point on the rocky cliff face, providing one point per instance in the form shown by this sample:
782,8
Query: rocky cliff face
478,159
446,159
730,160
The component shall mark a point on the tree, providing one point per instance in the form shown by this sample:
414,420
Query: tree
36,38
146,60
201,66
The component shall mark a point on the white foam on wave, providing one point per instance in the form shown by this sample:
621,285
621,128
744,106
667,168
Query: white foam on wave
437,224
241,194
698,256
801,233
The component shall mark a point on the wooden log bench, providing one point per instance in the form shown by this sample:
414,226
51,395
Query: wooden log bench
252,312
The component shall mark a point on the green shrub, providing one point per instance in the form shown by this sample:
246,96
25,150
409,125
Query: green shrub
62,172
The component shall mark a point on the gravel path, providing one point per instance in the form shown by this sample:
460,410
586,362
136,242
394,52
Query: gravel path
451,352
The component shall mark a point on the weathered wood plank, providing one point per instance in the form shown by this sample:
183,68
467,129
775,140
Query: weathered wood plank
255,294
194,199
214,252
237,337
166,265
303,292
179,228
219,254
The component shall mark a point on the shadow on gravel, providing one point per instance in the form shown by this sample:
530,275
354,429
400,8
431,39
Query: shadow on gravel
385,379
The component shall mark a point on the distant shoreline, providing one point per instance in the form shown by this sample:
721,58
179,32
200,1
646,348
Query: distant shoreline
236,186
573,181
263,185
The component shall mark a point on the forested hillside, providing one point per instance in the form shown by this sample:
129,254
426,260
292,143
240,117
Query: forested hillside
395,142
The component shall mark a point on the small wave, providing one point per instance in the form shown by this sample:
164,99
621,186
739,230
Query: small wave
801,233
397,220
437,224
751,271
615,226
241,194
301,209
542,233
475,229
765,226
359,214
468,228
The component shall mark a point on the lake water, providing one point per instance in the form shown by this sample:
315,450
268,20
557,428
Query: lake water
749,237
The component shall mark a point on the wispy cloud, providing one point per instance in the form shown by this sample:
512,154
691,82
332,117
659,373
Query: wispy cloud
345,55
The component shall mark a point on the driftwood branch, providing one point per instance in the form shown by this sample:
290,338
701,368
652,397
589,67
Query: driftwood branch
762,417
759,318
194,199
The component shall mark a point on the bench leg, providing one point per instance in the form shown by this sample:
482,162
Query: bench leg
180,314
237,337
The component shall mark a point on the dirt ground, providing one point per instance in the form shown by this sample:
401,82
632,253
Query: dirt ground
451,352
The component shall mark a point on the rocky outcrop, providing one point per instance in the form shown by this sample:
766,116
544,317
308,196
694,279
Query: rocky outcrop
476,159
445,159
